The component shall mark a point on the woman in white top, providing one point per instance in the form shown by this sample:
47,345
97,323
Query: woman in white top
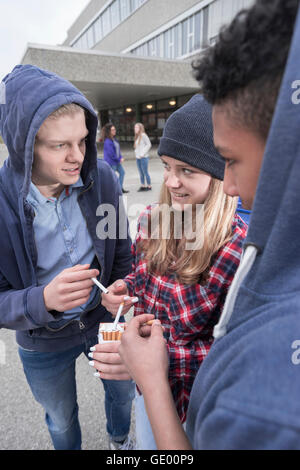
142,146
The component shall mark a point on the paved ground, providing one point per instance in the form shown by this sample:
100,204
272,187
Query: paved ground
21,418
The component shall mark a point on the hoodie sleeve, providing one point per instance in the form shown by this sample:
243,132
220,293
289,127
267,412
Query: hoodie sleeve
227,429
23,309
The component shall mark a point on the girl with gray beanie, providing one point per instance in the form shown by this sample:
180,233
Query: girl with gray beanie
186,252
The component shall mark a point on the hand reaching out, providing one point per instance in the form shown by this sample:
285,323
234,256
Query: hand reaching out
145,357
111,301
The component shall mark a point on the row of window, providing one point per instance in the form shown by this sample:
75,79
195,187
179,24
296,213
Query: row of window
111,17
194,33
153,114
181,39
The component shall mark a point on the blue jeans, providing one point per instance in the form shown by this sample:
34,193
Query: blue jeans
144,436
120,170
142,164
51,377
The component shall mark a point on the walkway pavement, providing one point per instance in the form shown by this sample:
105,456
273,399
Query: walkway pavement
21,418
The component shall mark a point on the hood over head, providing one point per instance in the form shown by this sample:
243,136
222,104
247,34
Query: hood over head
28,96
270,268
275,221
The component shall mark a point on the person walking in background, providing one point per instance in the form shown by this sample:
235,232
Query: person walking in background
142,145
112,153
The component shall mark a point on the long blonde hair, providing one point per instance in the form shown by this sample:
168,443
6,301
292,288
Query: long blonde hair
138,136
168,255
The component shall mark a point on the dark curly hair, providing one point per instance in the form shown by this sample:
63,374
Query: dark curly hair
246,65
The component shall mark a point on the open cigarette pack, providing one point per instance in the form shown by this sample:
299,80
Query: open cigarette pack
106,332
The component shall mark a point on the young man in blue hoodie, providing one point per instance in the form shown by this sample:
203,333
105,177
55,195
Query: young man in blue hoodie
51,189
246,394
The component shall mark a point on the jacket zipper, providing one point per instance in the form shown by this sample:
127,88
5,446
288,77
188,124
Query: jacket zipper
80,322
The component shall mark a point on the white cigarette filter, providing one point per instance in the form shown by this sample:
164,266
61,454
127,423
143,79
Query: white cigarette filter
107,333
101,287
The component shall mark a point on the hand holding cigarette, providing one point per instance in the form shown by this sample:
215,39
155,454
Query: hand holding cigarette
153,368
117,294
70,288
146,328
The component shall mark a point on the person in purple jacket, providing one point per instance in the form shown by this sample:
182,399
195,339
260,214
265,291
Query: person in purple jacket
112,153
51,188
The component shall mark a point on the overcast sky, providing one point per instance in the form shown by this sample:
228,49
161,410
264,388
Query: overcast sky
37,21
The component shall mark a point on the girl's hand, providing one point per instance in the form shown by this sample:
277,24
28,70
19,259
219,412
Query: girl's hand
107,361
117,292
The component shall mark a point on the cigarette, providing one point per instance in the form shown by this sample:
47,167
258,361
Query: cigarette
108,333
150,323
118,315
119,335
95,281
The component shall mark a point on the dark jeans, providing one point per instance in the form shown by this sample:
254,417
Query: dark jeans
51,377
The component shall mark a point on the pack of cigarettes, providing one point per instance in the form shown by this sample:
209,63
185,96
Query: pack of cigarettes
107,333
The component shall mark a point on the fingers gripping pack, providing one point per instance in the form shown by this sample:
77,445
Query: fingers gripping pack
108,333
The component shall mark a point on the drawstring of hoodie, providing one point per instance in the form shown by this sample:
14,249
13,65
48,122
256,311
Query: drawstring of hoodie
246,263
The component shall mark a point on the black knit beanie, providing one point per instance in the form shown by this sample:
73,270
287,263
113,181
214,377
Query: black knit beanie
188,137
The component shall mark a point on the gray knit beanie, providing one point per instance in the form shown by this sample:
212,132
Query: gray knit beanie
188,137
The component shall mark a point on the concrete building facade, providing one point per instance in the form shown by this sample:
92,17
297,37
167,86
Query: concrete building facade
132,58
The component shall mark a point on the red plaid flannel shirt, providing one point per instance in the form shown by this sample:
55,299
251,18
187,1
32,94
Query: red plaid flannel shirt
187,312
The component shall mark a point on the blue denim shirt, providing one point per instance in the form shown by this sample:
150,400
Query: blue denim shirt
61,236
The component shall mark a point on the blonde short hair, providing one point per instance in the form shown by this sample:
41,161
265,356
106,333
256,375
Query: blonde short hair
66,109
